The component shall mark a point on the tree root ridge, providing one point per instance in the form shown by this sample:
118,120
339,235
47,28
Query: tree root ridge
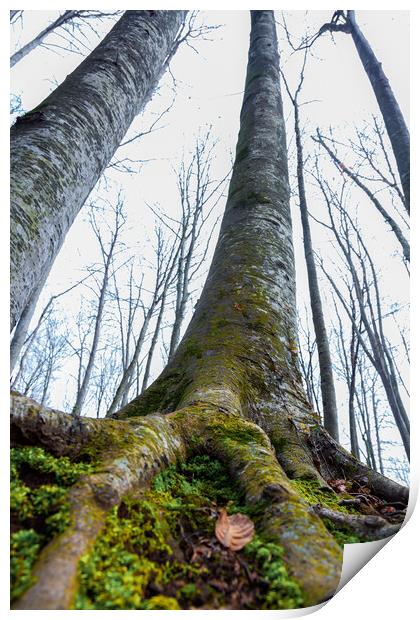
129,453
128,458
367,527
336,462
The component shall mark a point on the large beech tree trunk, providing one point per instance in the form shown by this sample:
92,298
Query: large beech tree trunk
59,149
231,390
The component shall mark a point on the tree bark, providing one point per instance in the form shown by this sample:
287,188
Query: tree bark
60,149
22,326
394,121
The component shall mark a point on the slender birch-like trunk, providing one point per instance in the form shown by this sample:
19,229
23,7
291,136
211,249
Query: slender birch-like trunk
60,149
329,404
64,18
395,124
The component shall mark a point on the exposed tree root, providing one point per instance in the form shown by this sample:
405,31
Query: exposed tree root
130,452
129,456
371,527
336,461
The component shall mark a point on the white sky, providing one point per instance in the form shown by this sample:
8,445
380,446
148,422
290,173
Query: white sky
209,92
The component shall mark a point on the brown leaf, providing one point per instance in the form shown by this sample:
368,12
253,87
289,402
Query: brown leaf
234,531
388,510
339,486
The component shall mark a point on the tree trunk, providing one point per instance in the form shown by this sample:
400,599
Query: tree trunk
232,389
394,121
65,18
153,343
22,326
329,405
60,149
84,385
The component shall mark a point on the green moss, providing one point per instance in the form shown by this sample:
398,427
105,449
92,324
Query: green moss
343,535
162,602
25,546
145,558
282,591
192,348
222,322
312,493
39,507
65,471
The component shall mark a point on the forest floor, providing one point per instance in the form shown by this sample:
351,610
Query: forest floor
159,550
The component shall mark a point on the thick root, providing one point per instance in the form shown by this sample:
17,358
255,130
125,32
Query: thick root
336,462
130,452
60,432
129,456
371,527
312,556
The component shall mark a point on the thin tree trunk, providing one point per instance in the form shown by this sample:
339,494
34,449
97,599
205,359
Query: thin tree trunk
128,373
153,345
84,384
395,124
65,18
60,149
329,404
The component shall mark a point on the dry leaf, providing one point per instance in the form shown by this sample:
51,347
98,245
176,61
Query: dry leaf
234,531
339,486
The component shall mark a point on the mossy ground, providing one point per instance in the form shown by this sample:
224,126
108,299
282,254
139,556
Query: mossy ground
312,493
159,551
39,507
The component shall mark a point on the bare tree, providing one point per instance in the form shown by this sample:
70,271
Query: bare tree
364,278
108,252
21,338
48,348
166,258
199,194
63,21
399,136
377,204
329,404
348,355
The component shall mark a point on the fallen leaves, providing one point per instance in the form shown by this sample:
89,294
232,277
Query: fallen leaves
358,494
234,531
339,485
